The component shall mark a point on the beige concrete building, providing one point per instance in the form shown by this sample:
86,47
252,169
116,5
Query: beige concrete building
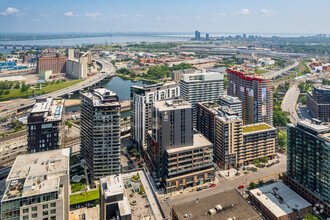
37,187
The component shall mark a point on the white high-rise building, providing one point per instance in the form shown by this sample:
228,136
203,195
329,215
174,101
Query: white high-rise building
142,99
201,87
100,131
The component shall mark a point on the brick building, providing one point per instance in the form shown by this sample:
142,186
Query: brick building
55,63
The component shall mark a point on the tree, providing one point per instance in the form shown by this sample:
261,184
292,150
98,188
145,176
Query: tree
17,85
303,100
137,61
280,117
125,118
260,183
282,139
309,216
24,87
253,185
264,160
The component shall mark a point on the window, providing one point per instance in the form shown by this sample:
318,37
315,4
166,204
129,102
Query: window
53,218
53,211
25,217
45,219
53,204
25,210
34,209
45,213
45,206
34,215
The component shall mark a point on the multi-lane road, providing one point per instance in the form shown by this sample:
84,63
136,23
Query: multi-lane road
290,101
107,70
274,74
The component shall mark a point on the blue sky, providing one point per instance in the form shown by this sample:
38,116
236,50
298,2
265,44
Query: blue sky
250,16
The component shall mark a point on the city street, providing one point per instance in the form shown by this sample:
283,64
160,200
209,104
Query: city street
264,174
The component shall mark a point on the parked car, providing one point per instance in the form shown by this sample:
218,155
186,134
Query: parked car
206,187
277,162
240,187
213,185
167,199
199,189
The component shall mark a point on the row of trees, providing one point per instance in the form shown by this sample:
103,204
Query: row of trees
159,72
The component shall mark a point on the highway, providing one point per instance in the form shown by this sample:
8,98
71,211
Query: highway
274,74
290,101
107,70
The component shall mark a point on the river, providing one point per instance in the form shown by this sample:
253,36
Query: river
120,86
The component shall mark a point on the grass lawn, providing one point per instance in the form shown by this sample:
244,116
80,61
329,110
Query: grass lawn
17,93
76,187
260,71
88,196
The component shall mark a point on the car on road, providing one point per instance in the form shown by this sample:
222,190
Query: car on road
199,189
277,162
268,165
22,104
240,187
206,187
213,185
167,199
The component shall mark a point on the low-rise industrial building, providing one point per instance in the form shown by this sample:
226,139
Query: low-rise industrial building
221,206
278,202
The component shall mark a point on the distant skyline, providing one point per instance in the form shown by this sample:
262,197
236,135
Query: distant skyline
236,16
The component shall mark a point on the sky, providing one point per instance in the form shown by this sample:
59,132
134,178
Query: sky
232,16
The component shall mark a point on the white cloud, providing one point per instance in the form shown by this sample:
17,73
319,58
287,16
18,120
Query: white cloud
10,11
93,15
69,14
218,16
119,16
244,11
266,12
159,18
139,16
197,17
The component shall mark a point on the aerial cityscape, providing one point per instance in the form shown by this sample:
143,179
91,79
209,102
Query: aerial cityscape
141,110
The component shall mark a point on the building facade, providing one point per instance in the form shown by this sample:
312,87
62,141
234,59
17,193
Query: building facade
37,187
255,92
178,158
100,131
201,87
45,125
308,151
177,74
231,102
319,102
141,107
55,63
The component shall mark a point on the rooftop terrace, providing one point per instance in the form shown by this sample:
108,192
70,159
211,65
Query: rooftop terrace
51,109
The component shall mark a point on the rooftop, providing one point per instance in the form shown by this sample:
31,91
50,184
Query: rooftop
314,125
199,141
202,76
172,104
279,199
231,99
156,86
51,109
245,73
256,127
103,97
37,173
231,205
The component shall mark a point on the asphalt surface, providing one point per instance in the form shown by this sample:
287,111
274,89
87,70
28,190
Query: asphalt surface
107,70
289,102
274,74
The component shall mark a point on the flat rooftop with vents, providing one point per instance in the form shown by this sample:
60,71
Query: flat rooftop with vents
220,206
279,200
37,173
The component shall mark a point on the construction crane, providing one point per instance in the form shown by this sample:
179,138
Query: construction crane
34,59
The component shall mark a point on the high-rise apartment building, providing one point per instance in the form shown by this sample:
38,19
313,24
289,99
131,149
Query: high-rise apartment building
255,92
55,63
37,187
201,87
235,145
231,102
177,157
197,35
141,107
177,74
319,102
45,125
308,151
100,131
